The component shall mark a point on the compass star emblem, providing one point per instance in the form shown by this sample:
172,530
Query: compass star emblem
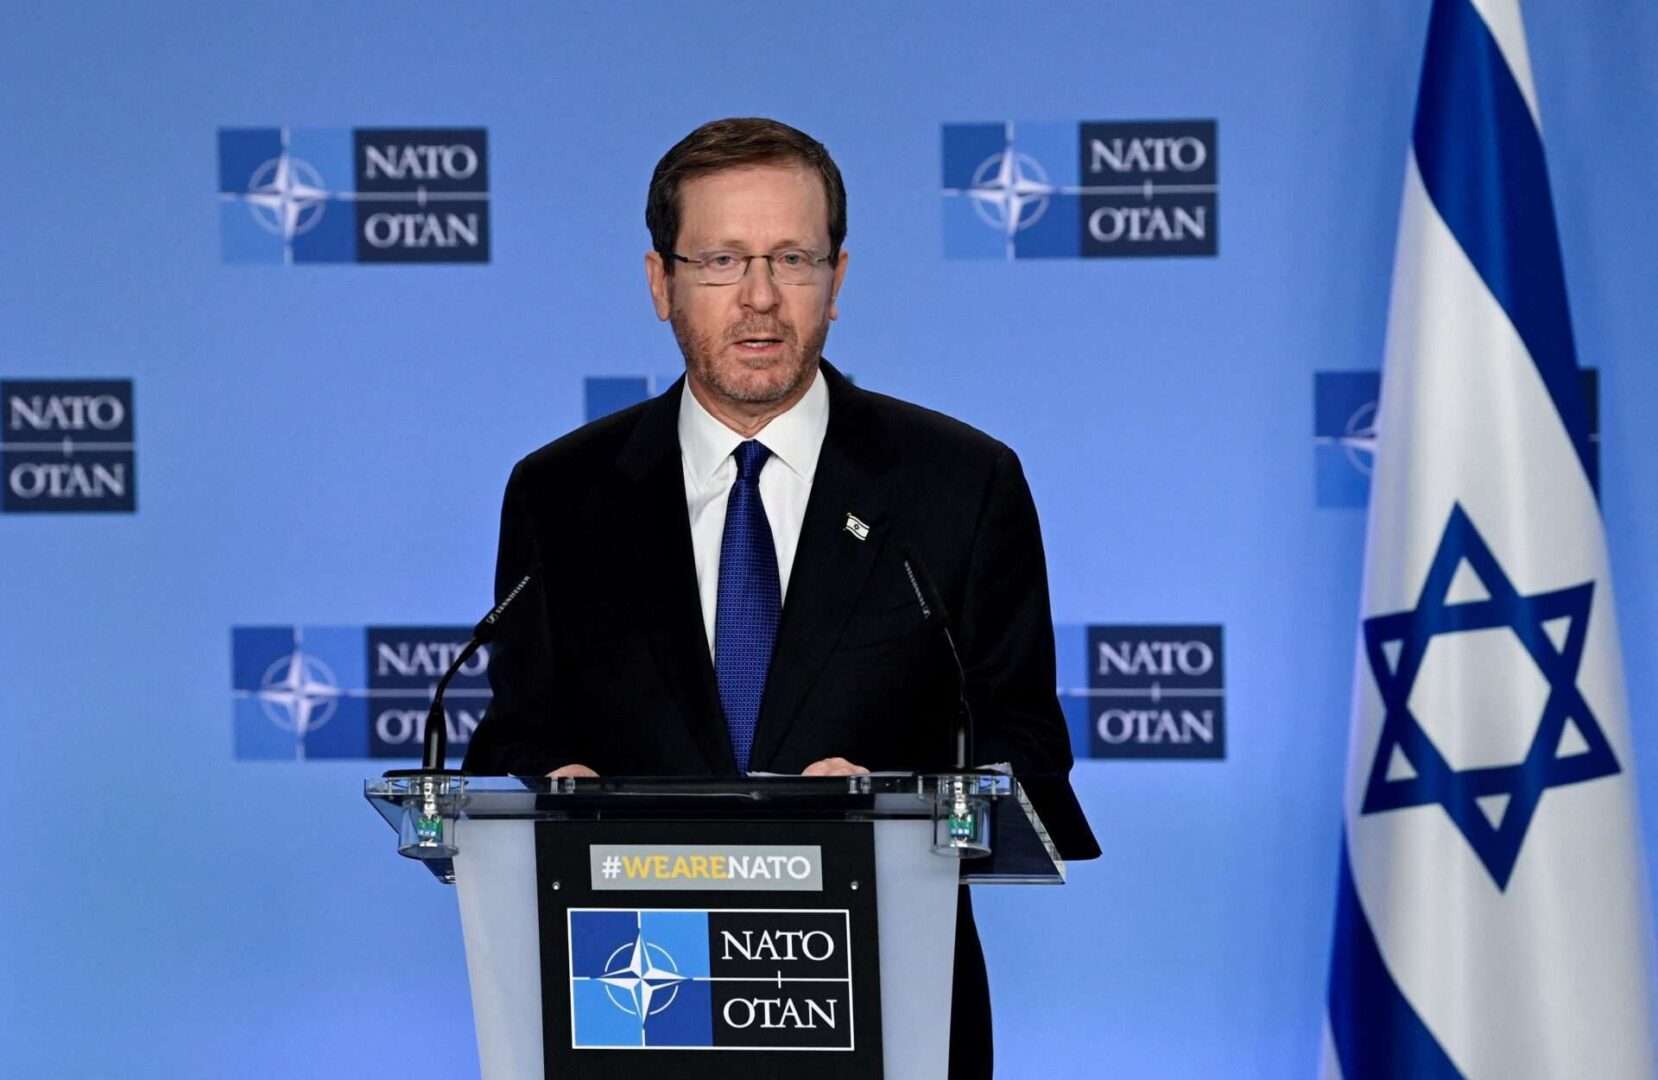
1010,191
286,196
641,978
1491,805
1358,442
299,693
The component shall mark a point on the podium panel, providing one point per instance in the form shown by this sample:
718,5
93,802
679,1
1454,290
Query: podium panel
624,928
495,883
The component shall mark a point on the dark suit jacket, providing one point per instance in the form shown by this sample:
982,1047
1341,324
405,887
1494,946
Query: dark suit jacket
613,669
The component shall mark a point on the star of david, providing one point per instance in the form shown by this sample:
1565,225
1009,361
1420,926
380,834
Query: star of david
1396,644
640,978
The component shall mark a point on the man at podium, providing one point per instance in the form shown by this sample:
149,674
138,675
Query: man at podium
723,573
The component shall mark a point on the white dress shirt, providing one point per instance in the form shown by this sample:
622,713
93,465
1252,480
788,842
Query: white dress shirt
795,438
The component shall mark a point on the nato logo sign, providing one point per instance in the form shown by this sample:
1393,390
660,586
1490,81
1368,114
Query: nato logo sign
349,691
67,446
1091,190
363,195
1344,433
687,979
1143,691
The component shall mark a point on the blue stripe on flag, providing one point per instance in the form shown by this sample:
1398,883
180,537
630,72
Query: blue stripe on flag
1378,1035
1481,158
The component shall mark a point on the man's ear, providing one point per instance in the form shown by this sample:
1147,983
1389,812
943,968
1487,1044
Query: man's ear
656,275
835,285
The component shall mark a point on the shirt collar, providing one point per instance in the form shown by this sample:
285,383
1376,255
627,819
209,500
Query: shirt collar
794,437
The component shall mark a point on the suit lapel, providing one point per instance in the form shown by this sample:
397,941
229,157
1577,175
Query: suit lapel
661,536
831,563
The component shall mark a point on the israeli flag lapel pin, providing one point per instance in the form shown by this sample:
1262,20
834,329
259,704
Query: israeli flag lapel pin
855,525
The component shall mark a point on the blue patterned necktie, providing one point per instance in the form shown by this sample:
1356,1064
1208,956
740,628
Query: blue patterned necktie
748,604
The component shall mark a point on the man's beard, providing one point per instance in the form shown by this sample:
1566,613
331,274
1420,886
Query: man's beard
711,360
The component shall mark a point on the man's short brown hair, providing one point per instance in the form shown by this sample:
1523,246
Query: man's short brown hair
727,144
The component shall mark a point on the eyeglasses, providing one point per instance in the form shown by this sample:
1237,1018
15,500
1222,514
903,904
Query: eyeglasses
790,267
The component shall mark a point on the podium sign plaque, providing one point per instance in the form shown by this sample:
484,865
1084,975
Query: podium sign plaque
666,940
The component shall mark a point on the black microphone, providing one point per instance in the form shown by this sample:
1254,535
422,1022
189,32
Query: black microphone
435,746
927,597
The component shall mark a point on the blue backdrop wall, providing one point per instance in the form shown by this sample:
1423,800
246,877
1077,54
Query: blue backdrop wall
323,446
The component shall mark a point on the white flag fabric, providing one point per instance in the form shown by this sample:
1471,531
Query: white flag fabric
1491,916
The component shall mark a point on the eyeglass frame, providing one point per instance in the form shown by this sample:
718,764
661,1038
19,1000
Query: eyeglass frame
771,267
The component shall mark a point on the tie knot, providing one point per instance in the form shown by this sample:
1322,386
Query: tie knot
750,455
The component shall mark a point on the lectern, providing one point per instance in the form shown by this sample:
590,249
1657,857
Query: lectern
770,926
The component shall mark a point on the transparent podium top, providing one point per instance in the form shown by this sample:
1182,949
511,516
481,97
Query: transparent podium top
1019,850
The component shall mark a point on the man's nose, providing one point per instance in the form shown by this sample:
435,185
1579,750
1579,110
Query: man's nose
757,289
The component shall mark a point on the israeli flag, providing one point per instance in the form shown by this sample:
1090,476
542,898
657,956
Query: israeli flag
1491,918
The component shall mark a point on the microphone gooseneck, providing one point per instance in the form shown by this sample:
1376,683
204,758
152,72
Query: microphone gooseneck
435,745
928,599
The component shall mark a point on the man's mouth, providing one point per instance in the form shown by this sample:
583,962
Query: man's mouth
759,344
